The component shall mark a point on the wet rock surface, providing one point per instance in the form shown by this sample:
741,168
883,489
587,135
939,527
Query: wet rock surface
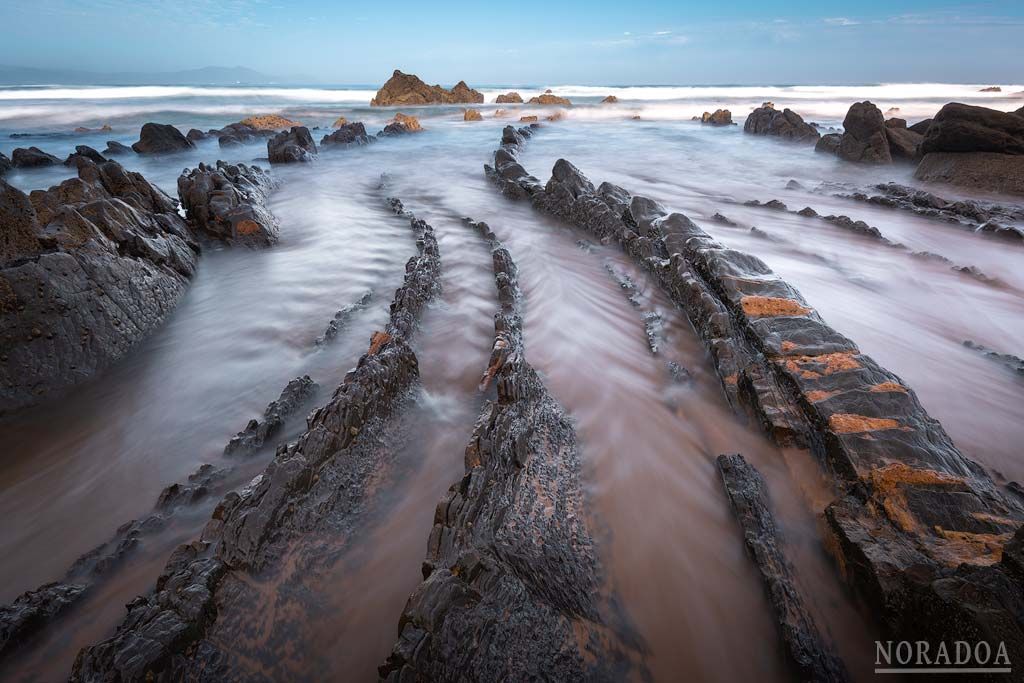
810,655
228,203
509,98
292,146
299,392
347,134
1009,361
407,89
513,588
922,534
32,157
400,125
87,269
864,136
159,138
186,629
342,317
786,124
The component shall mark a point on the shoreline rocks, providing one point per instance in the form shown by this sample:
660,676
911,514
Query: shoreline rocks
159,138
407,89
32,157
472,115
228,203
720,117
347,134
549,99
401,124
271,122
786,124
292,146
87,269
509,98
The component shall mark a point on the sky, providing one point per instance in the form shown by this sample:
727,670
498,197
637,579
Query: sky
677,42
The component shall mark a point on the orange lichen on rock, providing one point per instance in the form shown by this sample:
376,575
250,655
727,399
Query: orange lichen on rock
411,123
247,227
888,483
825,364
848,423
886,387
378,340
527,119
269,122
787,346
976,549
816,396
731,380
772,306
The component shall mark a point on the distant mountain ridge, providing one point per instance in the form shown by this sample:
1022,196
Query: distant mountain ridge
209,75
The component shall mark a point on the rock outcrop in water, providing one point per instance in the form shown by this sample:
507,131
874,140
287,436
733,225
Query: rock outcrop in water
509,98
319,483
808,653
271,122
32,157
513,588
297,393
472,115
347,134
864,136
549,99
923,535
406,89
159,138
115,148
291,146
786,124
87,269
228,203
974,147
720,117
401,124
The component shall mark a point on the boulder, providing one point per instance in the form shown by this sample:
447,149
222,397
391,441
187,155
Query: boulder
721,117
472,115
195,135
347,134
903,143
1020,112
528,119
159,138
402,124
5,164
611,99
547,99
829,144
509,98
407,89
84,152
895,123
87,269
978,170
227,203
272,122
965,128
339,122
786,124
114,147
864,139
921,127
291,146
33,157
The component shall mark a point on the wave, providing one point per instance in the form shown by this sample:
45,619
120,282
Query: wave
326,95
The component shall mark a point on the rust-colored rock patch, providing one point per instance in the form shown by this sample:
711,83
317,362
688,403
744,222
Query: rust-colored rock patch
761,306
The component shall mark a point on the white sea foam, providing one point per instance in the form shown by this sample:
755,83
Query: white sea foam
326,95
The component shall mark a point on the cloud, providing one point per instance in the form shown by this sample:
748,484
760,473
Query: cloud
841,21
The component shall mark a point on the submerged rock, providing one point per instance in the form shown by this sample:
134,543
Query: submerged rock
297,393
114,148
407,89
196,135
786,124
83,152
347,134
612,99
158,138
292,146
33,157
87,269
509,98
228,203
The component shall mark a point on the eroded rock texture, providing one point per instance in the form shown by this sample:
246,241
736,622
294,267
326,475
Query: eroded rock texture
296,394
921,533
512,589
786,124
87,269
193,626
347,134
228,203
811,656
406,89
291,146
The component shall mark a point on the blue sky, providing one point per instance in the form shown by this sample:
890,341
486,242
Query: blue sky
530,41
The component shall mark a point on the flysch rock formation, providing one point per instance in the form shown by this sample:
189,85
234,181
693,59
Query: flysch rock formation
187,627
808,653
87,269
228,203
513,588
786,124
406,89
922,535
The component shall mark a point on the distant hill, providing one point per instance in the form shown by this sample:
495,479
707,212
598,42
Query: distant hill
210,75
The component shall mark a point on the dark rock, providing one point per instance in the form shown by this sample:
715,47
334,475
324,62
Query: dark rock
903,143
721,117
114,148
407,89
991,88
963,128
293,146
229,203
84,152
88,268
864,136
511,587
5,164
829,144
1011,362
342,317
298,392
807,652
347,134
921,127
978,170
401,124
510,98
158,138
612,99
195,135
895,123
32,610
786,124
33,157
